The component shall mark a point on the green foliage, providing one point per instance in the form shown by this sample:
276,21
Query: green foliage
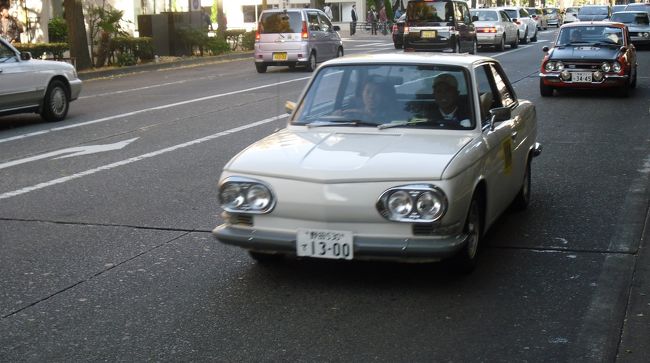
248,41
104,25
389,10
57,30
37,49
213,12
234,38
129,50
217,46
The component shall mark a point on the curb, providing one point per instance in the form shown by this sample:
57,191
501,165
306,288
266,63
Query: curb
95,74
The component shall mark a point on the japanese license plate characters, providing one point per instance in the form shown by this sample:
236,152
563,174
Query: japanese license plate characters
280,56
324,244
581,76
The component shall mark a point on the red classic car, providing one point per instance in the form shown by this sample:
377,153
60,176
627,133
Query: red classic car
590,55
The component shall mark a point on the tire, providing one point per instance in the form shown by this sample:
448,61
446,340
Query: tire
522,200
465,260
456,47
261,67
525,40
311,62
502,45
474,47
534,38
339,52
544,90
515,44
265,258
56,102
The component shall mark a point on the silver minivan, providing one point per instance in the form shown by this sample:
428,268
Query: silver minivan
291,37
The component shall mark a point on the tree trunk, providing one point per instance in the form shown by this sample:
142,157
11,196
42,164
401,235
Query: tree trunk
221,21
74,18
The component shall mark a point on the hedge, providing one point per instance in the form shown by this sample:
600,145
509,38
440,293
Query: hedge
38,49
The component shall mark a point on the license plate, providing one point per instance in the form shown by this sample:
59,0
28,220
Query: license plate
428,34
324,244
581,76
280,56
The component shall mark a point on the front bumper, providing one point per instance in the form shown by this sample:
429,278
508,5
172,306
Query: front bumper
412,249
609,80
75,89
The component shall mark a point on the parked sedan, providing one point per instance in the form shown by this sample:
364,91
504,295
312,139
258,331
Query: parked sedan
495,28
589,56
638,24
406,157
553,17
571,15
398,32
34,85
539,16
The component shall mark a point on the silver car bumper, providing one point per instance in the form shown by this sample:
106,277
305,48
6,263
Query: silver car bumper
75,89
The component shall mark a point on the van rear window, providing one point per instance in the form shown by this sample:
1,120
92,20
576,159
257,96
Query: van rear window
436,12
281,23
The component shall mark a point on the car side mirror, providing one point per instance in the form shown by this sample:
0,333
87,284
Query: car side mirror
336,28
25,56
289,106
474,18
499,114
545,49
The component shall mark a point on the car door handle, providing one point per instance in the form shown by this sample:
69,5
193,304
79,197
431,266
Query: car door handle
513,135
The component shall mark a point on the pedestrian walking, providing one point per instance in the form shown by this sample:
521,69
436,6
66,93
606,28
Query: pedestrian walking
383,20
372,19
10,29
353,24
327,9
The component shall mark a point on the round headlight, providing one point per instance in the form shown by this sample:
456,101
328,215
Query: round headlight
616,67
258,197
549,66
605,67
231,196
429,205
559,66
646,35
400,203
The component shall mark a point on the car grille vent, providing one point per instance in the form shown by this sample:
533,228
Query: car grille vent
242,219
423,229
589,66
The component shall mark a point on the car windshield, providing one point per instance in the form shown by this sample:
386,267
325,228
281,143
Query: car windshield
385,96
437,12
593,35
280,22
485,15
631,18
593,10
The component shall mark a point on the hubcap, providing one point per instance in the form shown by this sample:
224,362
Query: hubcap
57,101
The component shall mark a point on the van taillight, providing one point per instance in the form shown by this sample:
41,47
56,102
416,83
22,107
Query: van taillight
304,34
260,29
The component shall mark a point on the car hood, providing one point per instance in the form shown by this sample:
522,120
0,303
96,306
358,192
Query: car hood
585,52
51,65
350,156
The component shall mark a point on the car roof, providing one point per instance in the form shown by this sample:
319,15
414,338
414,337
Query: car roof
462,60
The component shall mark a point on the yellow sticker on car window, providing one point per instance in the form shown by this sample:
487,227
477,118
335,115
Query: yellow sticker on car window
506,146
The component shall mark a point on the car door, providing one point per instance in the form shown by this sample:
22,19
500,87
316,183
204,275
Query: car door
317,38
18,84
330,37
501,182
508,26
464,25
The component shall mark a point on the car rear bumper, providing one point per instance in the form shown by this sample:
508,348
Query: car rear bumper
488,39
292,56
414,249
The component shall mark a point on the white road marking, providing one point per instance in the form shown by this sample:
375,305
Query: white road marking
23,136
72,151
137,158
136,89
521,47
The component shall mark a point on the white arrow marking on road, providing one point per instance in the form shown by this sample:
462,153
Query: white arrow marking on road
72,151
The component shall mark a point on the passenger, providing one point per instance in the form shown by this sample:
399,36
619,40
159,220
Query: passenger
377,98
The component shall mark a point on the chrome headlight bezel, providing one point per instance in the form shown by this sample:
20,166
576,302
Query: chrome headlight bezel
549,66
605,67
616,67
245,195
410,196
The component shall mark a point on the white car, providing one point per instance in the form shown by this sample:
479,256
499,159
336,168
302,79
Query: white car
32,85
407,179
495,28
527,25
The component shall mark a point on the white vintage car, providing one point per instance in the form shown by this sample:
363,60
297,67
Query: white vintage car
406,157
34,85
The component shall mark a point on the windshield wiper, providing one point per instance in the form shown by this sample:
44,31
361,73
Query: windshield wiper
413,121
340,123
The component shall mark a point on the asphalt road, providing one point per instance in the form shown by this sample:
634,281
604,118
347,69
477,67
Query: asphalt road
106,250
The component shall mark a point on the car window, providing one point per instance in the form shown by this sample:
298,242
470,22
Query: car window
280,22
401,95
438,12
512,14
485,15
505,17
6,53
325,23
486,91
505,93
523,13
313,22
593,10
467,18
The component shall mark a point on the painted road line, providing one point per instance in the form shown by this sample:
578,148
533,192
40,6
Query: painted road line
137,158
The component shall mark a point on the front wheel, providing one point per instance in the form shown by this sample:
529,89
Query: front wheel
534,38
56,102
525,40
522,200
465,260
544,90
339,52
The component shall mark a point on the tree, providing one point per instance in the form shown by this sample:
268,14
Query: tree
221,20
74,18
